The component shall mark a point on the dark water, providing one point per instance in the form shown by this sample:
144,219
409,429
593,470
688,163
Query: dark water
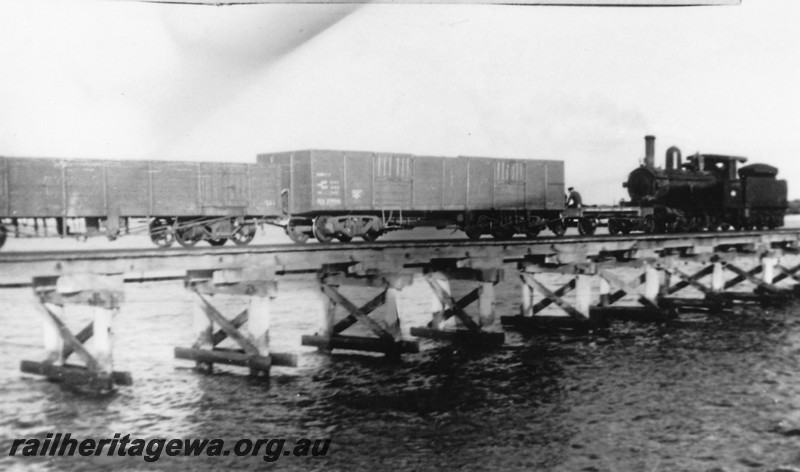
707,393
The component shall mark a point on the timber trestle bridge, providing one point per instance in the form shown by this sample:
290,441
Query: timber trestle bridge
649,277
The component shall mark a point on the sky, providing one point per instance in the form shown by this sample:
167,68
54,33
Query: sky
131,80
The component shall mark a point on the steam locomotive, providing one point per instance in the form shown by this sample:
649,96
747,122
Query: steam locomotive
705,193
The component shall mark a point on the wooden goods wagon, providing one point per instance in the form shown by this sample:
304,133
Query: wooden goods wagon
187,201
343,194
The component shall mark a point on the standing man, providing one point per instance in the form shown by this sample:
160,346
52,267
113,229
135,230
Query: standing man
574,198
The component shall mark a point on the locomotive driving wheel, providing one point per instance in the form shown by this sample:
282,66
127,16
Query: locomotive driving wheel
161,232
243,232
218,241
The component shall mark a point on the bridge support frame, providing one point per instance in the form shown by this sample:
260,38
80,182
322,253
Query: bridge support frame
260,288
385,325
584,313
99,294
717,296
445,308
579,313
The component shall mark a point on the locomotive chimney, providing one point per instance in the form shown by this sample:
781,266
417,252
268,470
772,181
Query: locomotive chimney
649,151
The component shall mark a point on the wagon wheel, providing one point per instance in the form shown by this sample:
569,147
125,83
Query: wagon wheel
473,232
532,232
319,230
217,242
699,223
681,225
346,235
243,232
300,237
587,226
614,227
503,232
371,235
712,223
161,232
772,223
649,224
557,227
187,236
534,227
3,234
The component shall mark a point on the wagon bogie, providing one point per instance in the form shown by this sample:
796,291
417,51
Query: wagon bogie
216,231
326,228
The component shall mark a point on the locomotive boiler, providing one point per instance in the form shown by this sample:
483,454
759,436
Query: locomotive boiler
707,192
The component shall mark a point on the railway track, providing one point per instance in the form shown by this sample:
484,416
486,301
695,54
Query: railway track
137,264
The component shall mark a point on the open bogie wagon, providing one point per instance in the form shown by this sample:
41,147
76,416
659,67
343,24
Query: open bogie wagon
344,194
182,201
